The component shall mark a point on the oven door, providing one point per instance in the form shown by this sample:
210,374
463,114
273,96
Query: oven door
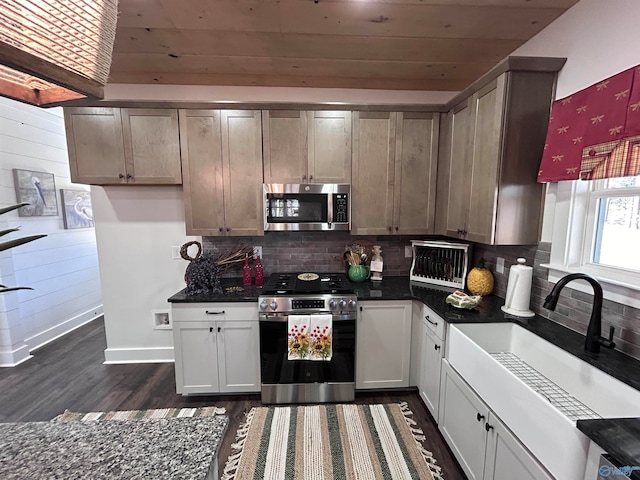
276,369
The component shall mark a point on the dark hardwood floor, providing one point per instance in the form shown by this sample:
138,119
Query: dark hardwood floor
69,374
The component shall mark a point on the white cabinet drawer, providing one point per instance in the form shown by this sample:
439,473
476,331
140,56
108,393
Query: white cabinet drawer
228,312
433,322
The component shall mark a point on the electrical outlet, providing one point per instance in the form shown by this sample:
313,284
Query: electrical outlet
408,251
500,265
257,251
175,253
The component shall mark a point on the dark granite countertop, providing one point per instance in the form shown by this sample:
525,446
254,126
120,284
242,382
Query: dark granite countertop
233,291
619,437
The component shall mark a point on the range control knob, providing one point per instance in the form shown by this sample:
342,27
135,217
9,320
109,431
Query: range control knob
273,305
263,305
352,304
333,304
343,304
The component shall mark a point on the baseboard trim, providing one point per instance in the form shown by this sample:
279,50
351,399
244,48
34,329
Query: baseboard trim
11,358
114,356
57,331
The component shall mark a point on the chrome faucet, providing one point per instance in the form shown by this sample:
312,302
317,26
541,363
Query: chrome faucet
593,340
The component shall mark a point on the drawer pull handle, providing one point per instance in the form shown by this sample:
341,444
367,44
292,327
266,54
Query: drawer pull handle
430,321
214,313
479,417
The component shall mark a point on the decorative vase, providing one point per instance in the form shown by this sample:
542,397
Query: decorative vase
358,273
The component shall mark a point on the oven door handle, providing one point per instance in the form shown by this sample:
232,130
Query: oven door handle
274,317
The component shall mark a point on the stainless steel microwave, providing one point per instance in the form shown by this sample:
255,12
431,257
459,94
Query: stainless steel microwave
307,206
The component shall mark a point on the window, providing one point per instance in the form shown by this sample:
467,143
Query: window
613,229
596,230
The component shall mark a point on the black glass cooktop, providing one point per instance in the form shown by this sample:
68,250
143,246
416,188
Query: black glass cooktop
319,283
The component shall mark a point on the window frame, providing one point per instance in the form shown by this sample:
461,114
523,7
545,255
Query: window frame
576,205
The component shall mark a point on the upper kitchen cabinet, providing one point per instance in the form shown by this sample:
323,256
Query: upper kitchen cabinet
284,142
394,172
112,146
493,138
222,163
306,147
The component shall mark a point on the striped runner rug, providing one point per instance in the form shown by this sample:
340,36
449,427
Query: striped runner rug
330,442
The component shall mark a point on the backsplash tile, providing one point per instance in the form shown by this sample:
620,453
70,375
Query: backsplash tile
322,251
316,251
574,307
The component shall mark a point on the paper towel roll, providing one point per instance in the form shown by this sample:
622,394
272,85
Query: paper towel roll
519,290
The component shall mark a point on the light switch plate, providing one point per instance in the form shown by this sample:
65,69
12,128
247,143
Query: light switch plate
500,265
257,251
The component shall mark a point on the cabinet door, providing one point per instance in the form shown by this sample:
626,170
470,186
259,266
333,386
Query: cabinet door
242,172
200,144
284,140
457,183
488,107
506,458
462,417
373,172
151,146
196,360
415,173
329,137
238,356
383,345
95,145
429,385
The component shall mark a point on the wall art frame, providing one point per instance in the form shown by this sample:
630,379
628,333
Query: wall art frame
38,189
76,208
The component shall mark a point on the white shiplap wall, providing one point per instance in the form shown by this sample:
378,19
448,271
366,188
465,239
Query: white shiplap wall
62,268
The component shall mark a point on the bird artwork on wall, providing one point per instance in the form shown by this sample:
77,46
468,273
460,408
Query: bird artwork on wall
76,208
38,189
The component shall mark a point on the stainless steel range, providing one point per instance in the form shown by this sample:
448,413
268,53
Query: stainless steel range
287,380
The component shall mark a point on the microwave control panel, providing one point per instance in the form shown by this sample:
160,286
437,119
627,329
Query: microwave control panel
341,207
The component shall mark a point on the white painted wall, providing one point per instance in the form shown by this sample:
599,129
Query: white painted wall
136,228
599,38
62,268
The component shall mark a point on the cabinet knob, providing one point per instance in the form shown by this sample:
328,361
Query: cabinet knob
120,176
310,177
219,329
210,329
437,347
479,417
221,229
389,228
129,175
488,427
228,229
397,228
304,177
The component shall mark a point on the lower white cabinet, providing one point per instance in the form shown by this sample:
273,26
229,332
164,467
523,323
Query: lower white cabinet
216,349
431,350
383,344
482,444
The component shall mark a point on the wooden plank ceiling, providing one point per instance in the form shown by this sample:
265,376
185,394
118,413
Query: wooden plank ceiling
387,44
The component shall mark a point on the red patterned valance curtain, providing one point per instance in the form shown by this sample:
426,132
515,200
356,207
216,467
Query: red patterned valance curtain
592,132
